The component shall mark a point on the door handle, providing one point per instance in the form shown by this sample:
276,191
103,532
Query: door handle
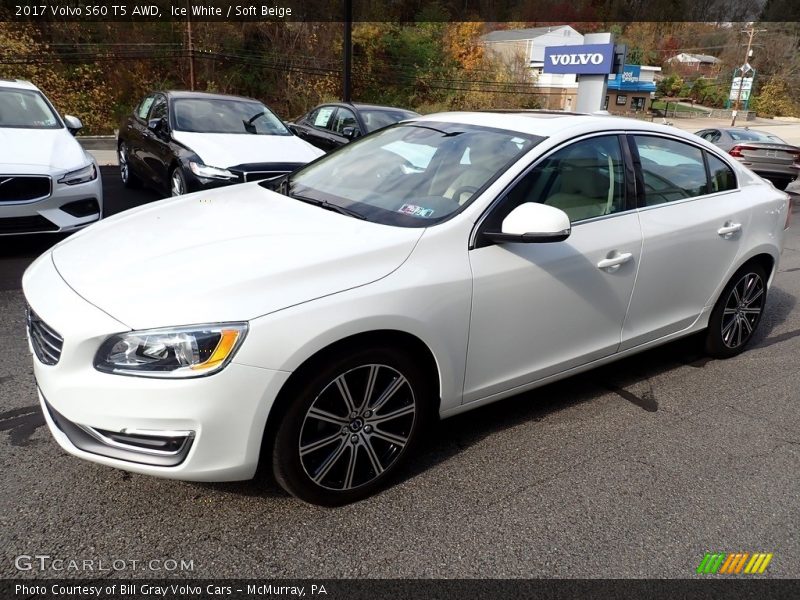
729,229
614,262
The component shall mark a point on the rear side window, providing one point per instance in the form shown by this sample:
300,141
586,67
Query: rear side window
144,107
671,170
722,176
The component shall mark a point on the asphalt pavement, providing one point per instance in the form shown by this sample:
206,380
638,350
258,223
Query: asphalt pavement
636,469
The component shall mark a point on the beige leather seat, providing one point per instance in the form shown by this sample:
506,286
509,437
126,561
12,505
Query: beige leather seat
486,157
583,193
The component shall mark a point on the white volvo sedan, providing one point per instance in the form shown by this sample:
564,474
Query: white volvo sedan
424,270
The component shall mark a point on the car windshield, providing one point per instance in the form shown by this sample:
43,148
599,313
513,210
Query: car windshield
410,175
26,109
377,119
748,135
203,115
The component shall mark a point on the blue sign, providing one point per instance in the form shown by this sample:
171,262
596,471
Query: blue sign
630,81
587,59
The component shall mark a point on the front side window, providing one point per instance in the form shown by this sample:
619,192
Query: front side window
26,109
585,180
344,118
410,175
671,170
212,115
159,109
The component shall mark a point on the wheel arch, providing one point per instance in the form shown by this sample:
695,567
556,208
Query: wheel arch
393,338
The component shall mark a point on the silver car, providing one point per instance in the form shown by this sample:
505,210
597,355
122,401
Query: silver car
48,183
762,152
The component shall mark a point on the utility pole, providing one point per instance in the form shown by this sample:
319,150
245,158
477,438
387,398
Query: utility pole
191,48
347,50
750,33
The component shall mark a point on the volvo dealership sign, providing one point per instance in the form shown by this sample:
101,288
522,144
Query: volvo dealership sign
586,59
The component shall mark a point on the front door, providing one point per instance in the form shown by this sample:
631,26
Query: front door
542,308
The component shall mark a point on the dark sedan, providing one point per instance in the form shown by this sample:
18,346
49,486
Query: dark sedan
329,126
763,153
180,142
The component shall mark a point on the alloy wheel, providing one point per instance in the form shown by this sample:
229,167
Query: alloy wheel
357,427
124,169
742,310
177,186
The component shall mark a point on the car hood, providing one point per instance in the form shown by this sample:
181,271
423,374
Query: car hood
231,149
232,254
39,150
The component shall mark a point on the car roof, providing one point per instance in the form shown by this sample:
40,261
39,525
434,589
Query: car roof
549,123
176,94
365,106
19,84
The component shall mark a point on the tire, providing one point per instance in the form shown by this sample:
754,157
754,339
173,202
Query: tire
738,312
177,182
331,450
126,172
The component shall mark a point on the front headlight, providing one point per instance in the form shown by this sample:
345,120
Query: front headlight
178,352
82,175
207,172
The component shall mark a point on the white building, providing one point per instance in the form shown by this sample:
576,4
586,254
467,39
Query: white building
557,91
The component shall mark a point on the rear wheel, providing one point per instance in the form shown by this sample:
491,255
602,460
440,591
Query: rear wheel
350,425
737,313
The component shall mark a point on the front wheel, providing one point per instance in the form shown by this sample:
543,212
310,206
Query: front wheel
350,425
737,313
177,182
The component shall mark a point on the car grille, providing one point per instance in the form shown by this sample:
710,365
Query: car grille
26,224
263,171
19,188
46,341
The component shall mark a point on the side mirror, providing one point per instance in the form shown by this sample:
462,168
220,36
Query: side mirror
158,126
350,133
532,222
73,124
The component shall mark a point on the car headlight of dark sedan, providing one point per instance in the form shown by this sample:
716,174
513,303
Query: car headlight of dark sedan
207,172
179,352
82,175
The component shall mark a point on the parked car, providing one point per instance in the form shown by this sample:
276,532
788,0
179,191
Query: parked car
329,126
419,272
179,142
763,153
48,183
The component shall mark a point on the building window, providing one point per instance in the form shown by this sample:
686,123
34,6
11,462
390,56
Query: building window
637,103
605,104
622,100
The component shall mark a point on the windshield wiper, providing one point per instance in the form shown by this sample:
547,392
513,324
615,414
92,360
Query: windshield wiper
329,206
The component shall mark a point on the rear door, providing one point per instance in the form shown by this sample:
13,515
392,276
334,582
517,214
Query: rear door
693,217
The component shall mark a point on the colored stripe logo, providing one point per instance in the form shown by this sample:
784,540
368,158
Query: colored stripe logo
736,563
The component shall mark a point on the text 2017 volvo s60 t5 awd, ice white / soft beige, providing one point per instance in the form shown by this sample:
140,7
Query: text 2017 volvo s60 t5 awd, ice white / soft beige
421,271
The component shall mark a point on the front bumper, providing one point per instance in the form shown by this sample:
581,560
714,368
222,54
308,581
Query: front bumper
65,209
111,419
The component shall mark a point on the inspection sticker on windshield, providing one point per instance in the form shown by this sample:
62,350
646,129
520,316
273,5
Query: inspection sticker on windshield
416,211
